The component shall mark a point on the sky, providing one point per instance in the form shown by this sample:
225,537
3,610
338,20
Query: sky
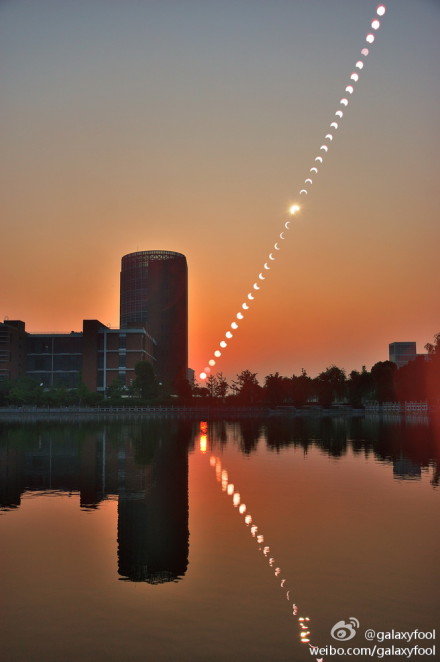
191,126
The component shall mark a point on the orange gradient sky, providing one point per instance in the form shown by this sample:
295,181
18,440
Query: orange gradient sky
190,126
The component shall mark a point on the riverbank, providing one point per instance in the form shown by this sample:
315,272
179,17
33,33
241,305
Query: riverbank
25,414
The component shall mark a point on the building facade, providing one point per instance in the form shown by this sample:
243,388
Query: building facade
402,353
154,294
95,356
112,354
154,328
12,349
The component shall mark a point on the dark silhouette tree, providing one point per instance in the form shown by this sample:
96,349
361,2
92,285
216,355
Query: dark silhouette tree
221,387
301,388
247,388
330,385
433,371
276,389
146,382
383,374
359,387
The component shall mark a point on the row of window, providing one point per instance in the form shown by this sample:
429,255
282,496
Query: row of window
5,356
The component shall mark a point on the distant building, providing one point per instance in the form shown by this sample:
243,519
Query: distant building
110,354
54,359
12,349
97,356
154,328
402,353
154,294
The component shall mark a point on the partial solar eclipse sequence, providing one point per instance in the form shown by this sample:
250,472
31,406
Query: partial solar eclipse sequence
308,182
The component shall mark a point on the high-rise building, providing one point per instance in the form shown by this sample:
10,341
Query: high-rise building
402,353
154,294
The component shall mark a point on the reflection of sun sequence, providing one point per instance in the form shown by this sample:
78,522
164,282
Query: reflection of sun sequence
222,477
203,443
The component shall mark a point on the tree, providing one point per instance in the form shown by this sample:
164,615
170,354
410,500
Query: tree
211,385
359,387
276,389
300,388
146,382
434,350
330,385
247,387
25,390
411,379
433,370
115,390
5,388
222,386
383,374
183,389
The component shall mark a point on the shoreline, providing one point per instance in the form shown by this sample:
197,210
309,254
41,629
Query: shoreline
26,414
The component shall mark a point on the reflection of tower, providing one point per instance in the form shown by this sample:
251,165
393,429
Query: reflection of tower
12,481
154,293
153,506
404,468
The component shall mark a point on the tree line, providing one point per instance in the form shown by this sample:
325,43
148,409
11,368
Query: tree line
418,380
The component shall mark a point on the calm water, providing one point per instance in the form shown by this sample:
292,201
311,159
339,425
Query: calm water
135,541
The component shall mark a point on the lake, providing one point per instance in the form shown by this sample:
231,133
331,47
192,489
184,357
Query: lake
203,541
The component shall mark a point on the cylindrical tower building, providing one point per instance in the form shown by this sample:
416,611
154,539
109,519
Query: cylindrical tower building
154,294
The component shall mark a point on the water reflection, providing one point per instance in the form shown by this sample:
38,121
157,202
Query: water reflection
414,441
153,507
221,476
144,466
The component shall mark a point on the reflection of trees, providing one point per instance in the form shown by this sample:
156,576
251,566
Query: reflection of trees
389,440
250,431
